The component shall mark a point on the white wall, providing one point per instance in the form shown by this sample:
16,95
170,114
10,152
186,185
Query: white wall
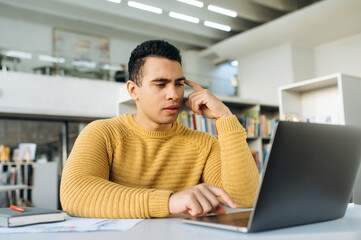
343,55
33,94
259,74
35,37
303,63
25,35
262,73
38,94
202,70
24,93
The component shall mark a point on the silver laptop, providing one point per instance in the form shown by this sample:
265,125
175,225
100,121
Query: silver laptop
309,177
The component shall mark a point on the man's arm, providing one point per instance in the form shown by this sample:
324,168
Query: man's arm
230,164
87,192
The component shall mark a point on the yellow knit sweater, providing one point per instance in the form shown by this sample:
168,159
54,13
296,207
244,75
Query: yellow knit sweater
117,169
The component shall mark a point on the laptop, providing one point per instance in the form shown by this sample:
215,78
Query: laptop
309,177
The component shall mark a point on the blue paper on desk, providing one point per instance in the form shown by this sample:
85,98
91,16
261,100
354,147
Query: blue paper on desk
75,224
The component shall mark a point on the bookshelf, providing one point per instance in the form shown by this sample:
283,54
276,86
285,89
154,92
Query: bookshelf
332,99
244,109
16,180
30,181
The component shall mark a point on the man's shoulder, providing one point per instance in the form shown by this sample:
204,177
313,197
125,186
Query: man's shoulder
110,125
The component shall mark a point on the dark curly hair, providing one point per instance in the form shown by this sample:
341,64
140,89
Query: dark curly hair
154,48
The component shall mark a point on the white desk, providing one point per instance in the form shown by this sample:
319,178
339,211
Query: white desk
348,227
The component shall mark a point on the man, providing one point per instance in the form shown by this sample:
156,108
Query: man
149,165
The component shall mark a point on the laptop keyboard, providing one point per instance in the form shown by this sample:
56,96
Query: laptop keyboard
239,219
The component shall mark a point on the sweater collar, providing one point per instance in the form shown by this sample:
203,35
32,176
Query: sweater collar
157,134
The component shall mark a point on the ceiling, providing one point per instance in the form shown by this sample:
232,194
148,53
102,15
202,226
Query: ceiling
127,21
307,28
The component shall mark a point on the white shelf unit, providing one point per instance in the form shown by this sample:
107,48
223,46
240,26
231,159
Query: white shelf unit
237,105
20,181
334,99
43,182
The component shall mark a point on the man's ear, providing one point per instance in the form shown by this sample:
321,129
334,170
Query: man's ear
132,90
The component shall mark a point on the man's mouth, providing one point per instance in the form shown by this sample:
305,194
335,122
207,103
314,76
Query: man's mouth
172,109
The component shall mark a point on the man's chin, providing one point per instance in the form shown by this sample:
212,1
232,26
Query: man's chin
169,119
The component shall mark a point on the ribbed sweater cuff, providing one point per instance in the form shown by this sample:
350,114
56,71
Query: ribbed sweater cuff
159,203
228,124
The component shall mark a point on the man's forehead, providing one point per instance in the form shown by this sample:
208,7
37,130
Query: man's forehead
156,68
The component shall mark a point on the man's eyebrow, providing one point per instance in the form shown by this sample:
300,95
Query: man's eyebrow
167,80
161,80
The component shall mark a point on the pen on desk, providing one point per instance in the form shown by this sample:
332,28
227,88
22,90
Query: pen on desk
16,208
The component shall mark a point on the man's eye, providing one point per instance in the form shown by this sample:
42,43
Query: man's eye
180,84
160,85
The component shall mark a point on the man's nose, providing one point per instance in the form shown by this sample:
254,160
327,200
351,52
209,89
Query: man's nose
172,93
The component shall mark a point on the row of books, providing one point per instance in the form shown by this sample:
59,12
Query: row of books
250,122
198,122
16,174
257,160
258,125
255,125
261,161
267,125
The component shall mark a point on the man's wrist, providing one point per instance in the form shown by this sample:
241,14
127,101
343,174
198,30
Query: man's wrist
228,124
227,114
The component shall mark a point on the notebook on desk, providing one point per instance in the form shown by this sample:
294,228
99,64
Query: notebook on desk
30,215
309,177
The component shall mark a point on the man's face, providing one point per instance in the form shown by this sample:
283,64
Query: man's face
161,94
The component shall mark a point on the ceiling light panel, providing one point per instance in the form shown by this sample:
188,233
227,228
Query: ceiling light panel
184,17
46,58
145,7
115,1
234,63
217,26
19,54
223,11
193,3
84,64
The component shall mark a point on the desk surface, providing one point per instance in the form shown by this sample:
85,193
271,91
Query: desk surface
348,227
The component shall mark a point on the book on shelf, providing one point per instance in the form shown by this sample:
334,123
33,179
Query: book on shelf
19,176
267,125
17,173
257,159
250,121
266,149
257,125
31,215
197,122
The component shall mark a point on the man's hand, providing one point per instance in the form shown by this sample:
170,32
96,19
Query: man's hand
202,102
200,200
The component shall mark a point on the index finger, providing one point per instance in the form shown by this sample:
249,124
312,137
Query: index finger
193,85
219,192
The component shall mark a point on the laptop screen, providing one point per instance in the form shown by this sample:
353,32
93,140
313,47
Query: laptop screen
309,176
